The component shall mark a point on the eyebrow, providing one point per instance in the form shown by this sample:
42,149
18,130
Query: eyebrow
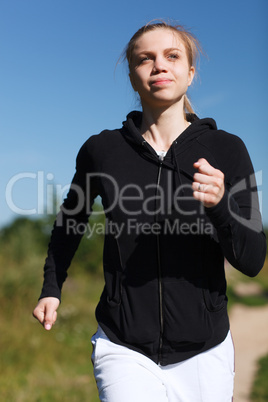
170,49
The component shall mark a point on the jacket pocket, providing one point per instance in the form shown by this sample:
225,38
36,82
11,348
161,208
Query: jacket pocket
186,316
215,302
139,317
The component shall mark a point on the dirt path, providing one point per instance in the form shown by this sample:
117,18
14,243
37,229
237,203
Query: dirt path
249,327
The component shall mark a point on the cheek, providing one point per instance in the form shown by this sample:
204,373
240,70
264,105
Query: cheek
185,76
137,81
134,80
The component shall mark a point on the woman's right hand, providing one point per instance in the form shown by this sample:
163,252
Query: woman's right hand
46,311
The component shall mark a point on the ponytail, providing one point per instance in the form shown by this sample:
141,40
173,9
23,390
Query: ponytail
187,106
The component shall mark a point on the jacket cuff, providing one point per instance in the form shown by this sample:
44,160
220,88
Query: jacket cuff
50,290
220,215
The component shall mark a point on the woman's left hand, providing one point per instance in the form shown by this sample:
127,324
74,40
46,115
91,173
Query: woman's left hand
208,184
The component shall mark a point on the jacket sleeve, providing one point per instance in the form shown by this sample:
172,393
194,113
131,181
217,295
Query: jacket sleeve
69,225
237,217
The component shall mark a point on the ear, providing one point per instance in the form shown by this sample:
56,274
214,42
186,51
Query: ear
191,75
132,81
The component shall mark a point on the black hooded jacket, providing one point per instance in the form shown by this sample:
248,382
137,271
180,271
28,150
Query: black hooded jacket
165,287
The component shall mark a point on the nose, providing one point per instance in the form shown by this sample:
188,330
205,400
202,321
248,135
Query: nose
159,65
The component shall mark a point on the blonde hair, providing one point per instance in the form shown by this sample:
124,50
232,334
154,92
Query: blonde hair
192,46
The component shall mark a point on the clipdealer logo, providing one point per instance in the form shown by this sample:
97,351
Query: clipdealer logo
132,226
46,192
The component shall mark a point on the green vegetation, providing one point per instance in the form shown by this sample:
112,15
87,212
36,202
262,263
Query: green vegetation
257,298
248,300
41,366
260,387
36,365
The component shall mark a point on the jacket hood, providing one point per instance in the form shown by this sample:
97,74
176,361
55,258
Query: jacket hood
198,127
133,135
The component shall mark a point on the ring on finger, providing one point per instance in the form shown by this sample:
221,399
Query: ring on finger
199,187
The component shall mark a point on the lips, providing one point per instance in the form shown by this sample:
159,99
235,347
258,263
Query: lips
161,81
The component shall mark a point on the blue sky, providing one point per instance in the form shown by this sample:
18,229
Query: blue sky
58,83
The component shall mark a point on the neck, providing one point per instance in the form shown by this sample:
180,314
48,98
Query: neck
162,126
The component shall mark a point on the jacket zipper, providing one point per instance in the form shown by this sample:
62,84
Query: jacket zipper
160,285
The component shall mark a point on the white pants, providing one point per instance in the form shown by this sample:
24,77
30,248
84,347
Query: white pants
123,375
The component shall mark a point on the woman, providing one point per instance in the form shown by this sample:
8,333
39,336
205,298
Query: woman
179,197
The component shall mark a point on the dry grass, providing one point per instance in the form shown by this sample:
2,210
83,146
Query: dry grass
36,365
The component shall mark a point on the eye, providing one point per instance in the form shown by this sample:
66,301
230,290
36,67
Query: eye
143,59
173,56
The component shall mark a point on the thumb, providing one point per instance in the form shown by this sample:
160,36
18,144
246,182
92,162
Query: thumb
50,317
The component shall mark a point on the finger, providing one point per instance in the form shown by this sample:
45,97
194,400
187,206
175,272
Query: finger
50,317
205,168
203,179
201,162
199,196
39,314
45,311
207,184
201,187
209,195
207,199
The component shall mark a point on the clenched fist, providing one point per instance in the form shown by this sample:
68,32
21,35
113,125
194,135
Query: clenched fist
46,311
208,184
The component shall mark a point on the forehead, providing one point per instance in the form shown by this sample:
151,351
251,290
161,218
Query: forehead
158,39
